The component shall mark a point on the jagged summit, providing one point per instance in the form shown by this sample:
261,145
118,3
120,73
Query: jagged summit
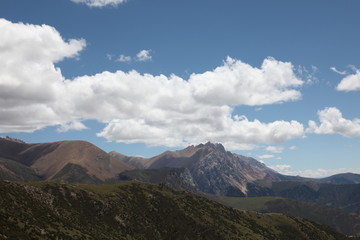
212,146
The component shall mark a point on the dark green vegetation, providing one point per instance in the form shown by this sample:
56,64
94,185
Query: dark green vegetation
343,221
206,168
345,196
329,197
136,210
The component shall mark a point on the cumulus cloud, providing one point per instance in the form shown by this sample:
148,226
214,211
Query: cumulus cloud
123,58
156,110
266,156
238,83
275,149
143,56
29,80
234,133
350,82
332,122
292,147
100,3
73,125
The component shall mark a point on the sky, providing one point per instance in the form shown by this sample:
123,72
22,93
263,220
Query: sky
276,80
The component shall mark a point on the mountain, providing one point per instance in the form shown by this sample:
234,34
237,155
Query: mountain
208,168
76,161
345,196
345,222
136,210
343,178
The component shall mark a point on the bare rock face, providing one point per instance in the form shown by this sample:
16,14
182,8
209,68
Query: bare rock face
223,173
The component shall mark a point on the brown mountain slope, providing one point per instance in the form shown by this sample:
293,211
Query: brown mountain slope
48,159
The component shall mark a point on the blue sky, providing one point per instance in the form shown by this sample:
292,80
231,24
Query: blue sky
275,80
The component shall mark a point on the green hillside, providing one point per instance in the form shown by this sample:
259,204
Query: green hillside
136,210
341,220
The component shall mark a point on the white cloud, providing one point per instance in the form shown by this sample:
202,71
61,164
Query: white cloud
312,173
332,122
238,83
282,168
266,156
275,149
337,71
233,133
350,82
123,58
309,75
100,3
143,56
29,80
292,147
320,172
232,145
156,110
73,125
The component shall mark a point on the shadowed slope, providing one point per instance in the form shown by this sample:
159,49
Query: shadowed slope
136,211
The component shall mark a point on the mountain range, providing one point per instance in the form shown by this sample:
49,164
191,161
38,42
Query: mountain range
206,170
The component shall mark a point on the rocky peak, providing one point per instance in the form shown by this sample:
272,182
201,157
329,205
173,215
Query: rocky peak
212,147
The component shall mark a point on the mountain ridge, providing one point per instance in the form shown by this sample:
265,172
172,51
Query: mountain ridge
48,159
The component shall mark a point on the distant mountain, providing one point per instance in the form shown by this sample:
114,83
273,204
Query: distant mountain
136,210
343,178
208,168
74,161
345,196
345,222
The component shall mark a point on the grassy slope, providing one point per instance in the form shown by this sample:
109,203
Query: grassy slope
336,218
346,196
135,210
